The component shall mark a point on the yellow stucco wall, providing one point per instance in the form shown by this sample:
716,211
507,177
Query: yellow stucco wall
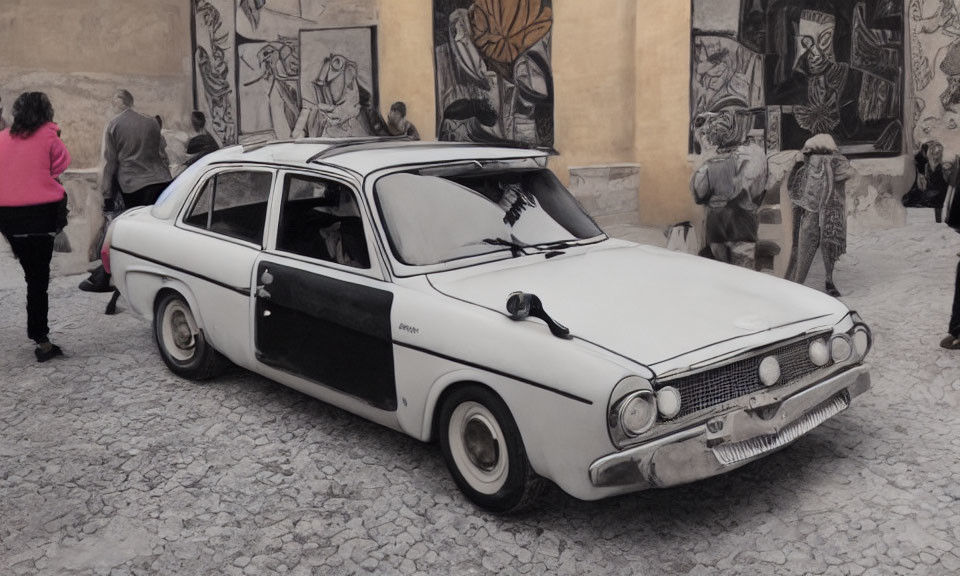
594,72
80,51
621,74
405,61
663,111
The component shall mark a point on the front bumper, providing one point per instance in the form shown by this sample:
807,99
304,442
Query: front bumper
728,441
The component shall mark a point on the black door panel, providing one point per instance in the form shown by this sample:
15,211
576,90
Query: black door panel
330,331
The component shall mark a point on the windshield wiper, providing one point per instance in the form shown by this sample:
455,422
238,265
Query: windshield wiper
515,247
561,245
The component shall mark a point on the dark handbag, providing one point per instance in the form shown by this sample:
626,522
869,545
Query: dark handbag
951,207
63,211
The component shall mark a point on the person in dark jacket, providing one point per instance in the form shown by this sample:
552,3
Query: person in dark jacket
933,176
397,123
32,157
952,341
134,168
202,143
951,215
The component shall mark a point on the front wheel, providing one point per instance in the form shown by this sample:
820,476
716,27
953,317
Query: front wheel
484,452
182,345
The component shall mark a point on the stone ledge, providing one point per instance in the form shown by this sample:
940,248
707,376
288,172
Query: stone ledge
608,190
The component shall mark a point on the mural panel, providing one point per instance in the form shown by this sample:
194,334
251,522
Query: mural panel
494,80
935,31
215,88
276,69
827,67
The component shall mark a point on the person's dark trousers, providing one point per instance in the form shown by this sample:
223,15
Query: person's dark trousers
34,253
145,196
955,318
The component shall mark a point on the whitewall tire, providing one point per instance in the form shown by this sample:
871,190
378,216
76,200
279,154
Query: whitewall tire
484,452
181,342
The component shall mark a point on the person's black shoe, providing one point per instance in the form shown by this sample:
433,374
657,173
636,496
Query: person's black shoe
99,281
112,305
950,343
47,354
832,290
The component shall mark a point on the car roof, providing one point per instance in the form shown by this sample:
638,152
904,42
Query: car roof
364,156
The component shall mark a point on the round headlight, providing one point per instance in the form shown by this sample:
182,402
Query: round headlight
819,353
861,341
638,413
841,349
668,402
770,371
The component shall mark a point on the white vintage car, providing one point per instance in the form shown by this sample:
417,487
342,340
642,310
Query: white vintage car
460,293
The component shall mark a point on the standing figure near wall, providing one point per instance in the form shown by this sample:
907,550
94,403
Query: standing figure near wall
731,185
817,190
933,178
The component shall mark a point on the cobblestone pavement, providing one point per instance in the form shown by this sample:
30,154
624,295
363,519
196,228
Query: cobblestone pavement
111,465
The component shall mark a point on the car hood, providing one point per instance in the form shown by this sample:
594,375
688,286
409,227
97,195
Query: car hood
645,303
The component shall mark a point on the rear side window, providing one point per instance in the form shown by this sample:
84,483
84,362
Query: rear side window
320,219
233,204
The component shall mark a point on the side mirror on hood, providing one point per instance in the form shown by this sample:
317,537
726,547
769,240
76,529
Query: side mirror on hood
521,306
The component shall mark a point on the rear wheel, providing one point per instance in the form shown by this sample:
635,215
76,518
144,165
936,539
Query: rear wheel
181,342
484,452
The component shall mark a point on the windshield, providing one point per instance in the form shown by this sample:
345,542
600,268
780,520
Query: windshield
431,220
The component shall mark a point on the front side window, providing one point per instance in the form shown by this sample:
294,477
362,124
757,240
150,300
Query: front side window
320,219
233,204
432,219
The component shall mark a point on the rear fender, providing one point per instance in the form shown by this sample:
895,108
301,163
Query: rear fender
144,286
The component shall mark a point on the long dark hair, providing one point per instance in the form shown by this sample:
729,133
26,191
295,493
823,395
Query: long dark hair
31,111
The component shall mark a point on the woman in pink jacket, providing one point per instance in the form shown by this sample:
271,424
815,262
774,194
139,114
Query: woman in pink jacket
32,157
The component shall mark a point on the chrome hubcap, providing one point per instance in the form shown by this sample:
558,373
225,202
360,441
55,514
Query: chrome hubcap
478,449
179,332
182,336
481,443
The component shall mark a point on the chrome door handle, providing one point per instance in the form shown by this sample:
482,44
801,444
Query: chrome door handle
266,278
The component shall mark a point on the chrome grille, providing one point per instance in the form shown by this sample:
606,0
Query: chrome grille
742,377
728,454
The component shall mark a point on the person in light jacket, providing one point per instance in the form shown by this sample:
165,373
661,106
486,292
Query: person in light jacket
32,157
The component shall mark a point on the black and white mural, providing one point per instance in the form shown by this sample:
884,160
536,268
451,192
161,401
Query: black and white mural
800,68
494,80
275,69
935,61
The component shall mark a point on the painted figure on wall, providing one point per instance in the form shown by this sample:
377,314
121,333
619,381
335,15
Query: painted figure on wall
817,191
724,70
826,66
731,185
825,76
935,29
215,90
284,71
337,104
493,74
